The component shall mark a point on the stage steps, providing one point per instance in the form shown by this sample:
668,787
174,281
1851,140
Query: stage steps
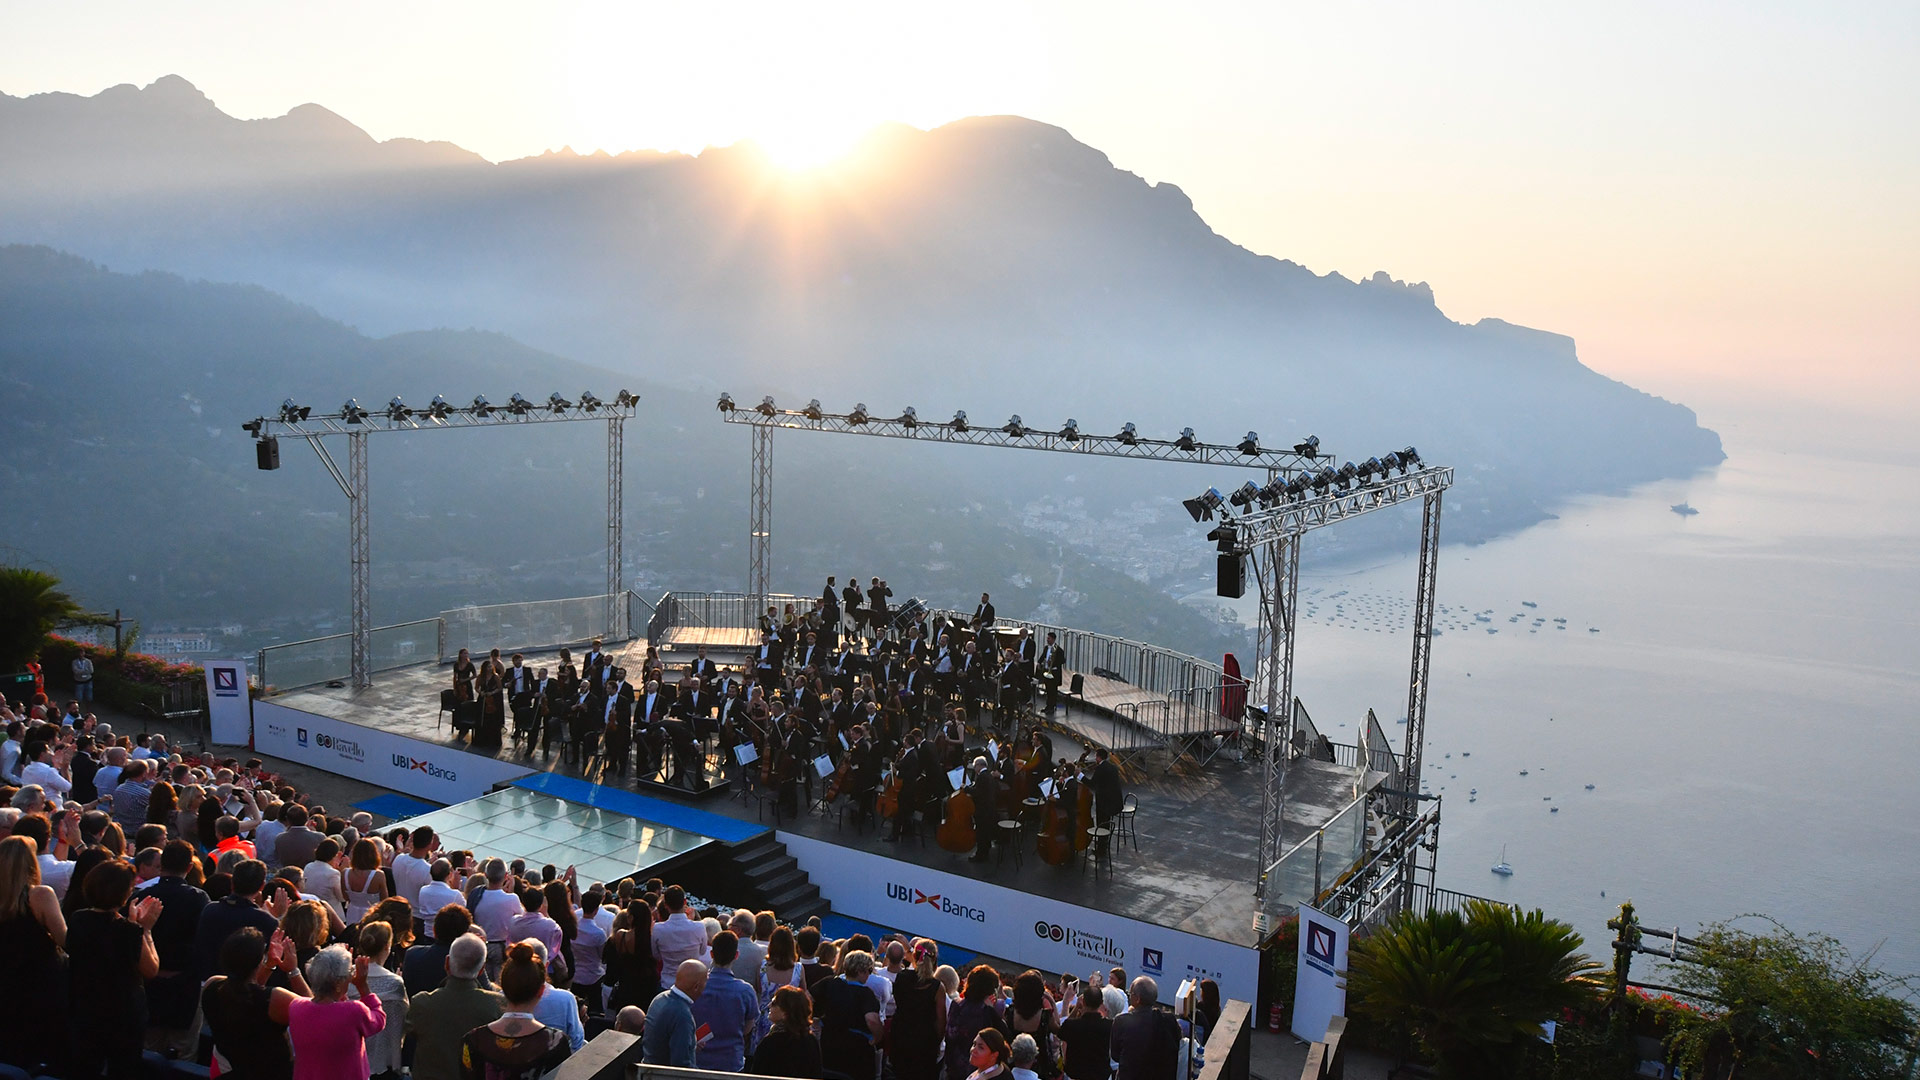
773,880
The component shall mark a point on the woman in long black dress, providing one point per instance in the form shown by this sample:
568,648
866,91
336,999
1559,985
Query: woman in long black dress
464,674
111,957
33,1023
631,967
248,1018
919,1017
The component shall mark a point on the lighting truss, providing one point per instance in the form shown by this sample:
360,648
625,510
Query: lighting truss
357,422
1069,438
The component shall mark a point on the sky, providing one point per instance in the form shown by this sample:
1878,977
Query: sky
1716,200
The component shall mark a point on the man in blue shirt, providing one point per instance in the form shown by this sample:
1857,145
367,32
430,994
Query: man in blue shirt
671,1030
728,1008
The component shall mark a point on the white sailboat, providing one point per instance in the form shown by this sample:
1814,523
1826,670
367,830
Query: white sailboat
1503,868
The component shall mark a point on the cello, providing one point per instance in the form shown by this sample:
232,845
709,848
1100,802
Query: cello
1056,833
887,803
956,832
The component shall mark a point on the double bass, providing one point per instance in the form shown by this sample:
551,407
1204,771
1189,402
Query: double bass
1056,832
956,832
887,803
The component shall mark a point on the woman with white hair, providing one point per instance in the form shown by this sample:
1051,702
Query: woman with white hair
329,1029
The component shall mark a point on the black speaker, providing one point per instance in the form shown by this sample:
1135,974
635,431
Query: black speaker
1233,576
267,451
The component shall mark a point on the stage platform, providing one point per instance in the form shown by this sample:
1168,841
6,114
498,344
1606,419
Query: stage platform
1198,827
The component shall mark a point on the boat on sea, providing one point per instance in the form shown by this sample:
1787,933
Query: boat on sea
1683,509
1503,868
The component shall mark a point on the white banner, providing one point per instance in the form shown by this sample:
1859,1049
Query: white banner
1044,933
229,706
444,774
1320,988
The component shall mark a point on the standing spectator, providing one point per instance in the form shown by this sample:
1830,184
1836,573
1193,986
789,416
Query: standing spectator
679,938
629,957
1030,1013
974,1013
589,943
109,958
493,910
52,840
171,993
437,894
328,1030
413,869
919,1017
374,944
130,795
670,1036
986,1055
364,883
48,768
556,1008
1146,1042
267,835
440,1019
32,930
516,1046
296,843
849,1014
1087,1035
322,877
746,964
248,1019
83,677
728,1008
425,965
1024,1055
789,1048
533,922
11,750
239,907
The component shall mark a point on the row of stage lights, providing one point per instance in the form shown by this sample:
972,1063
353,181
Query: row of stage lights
1015,427
441,408
1204,506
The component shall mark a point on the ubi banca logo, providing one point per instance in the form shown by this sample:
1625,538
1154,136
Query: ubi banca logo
946,905
411,764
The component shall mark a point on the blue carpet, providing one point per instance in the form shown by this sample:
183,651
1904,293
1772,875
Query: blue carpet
659,811
841,927
395,807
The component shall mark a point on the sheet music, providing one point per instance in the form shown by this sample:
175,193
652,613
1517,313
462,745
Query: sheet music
958,777
823,765
746,753
1046,789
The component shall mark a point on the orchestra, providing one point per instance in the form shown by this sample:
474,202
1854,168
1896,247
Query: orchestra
914,720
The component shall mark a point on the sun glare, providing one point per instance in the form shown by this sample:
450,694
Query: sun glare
805,143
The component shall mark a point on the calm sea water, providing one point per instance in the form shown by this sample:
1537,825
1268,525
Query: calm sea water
1738,686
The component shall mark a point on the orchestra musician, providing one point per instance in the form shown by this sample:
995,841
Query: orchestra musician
766,660
617,735
464,677
851,601
1107,795
984,790
702,668
911,766
556,697
983,619
520,695
877,607
1051,660
492,707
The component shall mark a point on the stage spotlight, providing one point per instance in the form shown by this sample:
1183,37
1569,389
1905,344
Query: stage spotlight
397,410
909,419
1070,430
625,399
959,422
1344,478
1408,457
588,402
1322,480
252,427
1371,468
293,414
518,405
1244,494
481,406
765,408
1274,493
1015,428
557,403
1307,447
1204,505
1250,445
859,414
1187,441
813,411
726,402
352,413
439,407
1297,487
1226,536
1128,436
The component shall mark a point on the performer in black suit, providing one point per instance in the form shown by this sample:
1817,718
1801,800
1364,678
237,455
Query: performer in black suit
1107,795
812,655
702,668
1026,650
521,696
1051,660
617,736
877,606
911,766
985,793
983,619
766,662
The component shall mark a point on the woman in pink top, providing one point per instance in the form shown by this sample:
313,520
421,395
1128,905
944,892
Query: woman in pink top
328,1030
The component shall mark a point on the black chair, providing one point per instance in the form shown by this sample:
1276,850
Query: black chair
447,702
1123,821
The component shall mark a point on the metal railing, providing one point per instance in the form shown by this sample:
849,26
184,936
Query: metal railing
719,610
1433,898
534,624
330,659
1315,864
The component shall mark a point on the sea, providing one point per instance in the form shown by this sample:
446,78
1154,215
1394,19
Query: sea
1715,715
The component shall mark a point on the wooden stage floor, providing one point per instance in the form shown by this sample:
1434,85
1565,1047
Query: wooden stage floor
1198,826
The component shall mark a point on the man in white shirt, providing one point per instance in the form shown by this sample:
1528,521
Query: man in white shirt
50,839
679,938
436,895
493,912
48,769
414,869
10,752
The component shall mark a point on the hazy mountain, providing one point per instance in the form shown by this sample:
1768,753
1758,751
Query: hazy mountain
993,264
123,469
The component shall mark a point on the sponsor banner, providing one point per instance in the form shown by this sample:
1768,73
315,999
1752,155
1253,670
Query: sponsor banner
229,706
444,774
1033,930
1320,988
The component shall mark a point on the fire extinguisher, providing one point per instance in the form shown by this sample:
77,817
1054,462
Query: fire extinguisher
1273,1018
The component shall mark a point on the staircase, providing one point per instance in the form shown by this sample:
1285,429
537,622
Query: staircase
773,880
